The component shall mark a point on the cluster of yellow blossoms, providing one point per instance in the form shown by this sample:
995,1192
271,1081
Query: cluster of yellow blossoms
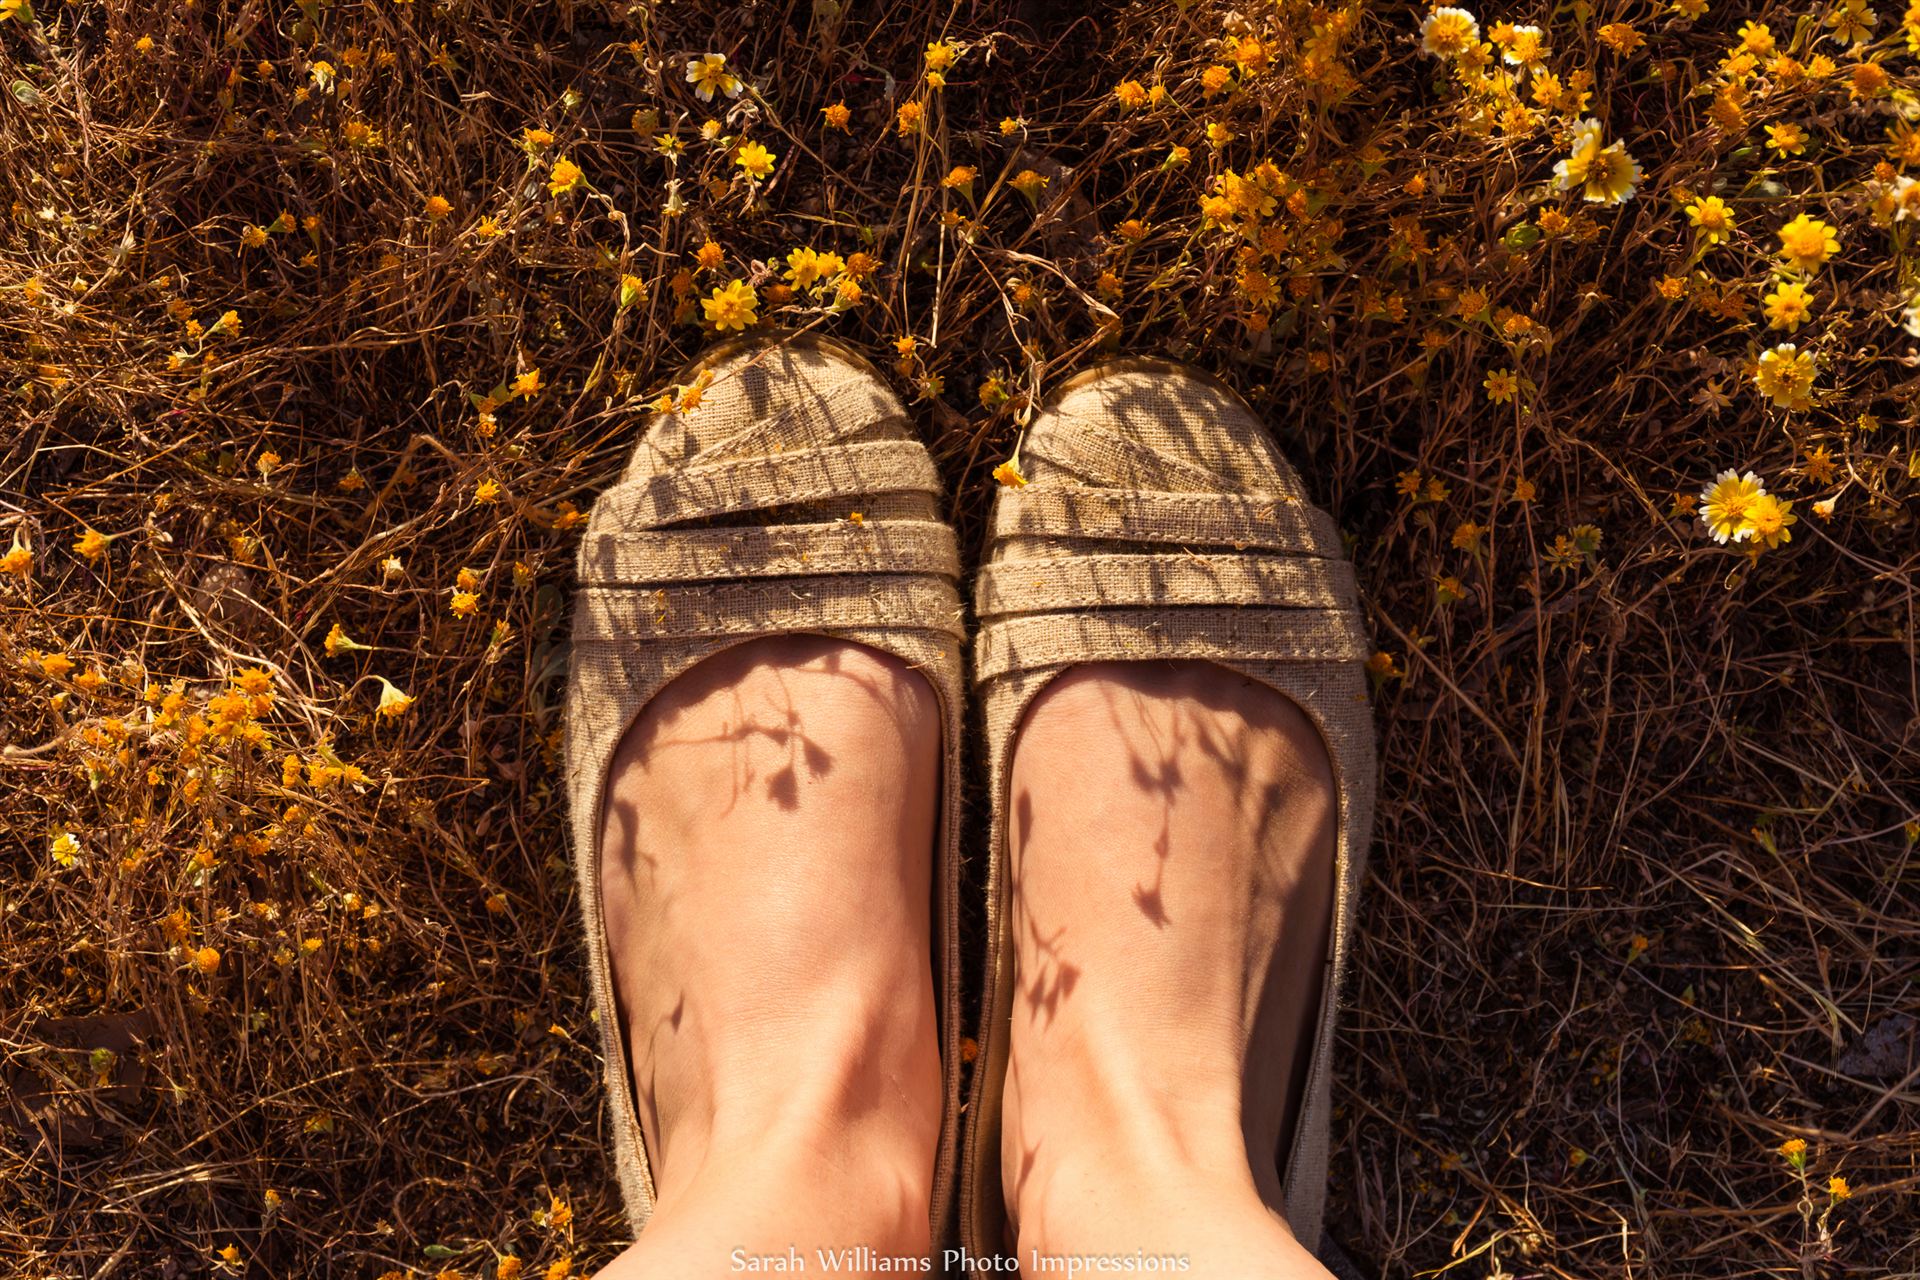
1510,86
1737,508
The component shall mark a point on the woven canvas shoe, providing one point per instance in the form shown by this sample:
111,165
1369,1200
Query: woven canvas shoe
1160,522
793,499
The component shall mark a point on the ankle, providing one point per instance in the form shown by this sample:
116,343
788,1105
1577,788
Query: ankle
1114,1198
783,1206
880,1113
860,1190
1096,1148
848,1081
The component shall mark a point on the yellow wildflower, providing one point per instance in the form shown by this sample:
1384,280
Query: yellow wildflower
1250,55
755,159
338,642
18,561
1725,502
393,702
1789,306
732,306
804,268
1757,38
1807,243
564,177
1602,173
1787,139
1621,37
1448,32
1785,376
1769,521
708,73
1819,466
1711,217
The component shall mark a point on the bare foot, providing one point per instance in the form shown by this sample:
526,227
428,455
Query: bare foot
1171,861
767,872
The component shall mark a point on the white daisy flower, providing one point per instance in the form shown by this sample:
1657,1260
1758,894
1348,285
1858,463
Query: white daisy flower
709,72
1448,32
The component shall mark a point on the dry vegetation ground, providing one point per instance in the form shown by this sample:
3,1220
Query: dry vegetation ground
1643,904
